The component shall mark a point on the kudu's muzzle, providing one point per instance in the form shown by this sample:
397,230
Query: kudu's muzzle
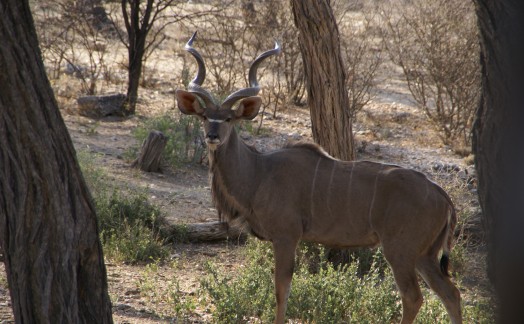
212,137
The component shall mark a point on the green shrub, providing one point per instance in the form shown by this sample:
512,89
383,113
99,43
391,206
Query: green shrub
185,142
344,295
128,223
93,175
247,295
326,295
177,233
129,228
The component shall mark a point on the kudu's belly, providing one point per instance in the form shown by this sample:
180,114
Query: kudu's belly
340,232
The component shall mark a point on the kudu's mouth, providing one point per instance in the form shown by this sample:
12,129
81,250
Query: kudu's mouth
212,143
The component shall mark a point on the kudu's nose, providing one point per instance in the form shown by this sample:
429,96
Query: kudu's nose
212,133
212,136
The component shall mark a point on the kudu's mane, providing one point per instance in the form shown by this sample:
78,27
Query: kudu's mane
229,210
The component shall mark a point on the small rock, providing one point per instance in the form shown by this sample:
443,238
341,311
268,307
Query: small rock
122,307
401,117
362,147
294,136
363,132
445,167
101,106
132,292
75,70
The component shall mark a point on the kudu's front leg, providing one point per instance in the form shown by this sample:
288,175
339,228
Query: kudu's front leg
284,250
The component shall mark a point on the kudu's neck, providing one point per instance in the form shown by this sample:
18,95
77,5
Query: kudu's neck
232,166
234,159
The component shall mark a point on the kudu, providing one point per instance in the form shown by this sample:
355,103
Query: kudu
301,193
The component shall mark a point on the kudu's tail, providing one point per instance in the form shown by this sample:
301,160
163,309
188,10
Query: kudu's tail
448,234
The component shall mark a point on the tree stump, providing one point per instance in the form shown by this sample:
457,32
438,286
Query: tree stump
101,106
150,157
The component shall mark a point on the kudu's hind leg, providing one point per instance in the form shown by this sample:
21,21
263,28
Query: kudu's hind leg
407,282
429,269
284,264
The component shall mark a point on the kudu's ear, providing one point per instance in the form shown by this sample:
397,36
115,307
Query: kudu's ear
248,108
188,103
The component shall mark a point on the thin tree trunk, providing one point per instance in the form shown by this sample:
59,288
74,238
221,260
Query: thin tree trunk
137,25
48,230
325,77
499,155
134,74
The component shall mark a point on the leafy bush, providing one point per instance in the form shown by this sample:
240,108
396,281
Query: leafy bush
129,228
185,140
249,294
335,296
93,175
128,223
327,296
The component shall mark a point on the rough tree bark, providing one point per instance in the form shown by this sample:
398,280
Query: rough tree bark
325,77
48,231
499,152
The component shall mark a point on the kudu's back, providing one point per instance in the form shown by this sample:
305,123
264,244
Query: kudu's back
345,204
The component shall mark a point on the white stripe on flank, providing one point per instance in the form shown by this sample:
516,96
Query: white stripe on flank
313,186
374,193
216,120
427,192
330,188
351,180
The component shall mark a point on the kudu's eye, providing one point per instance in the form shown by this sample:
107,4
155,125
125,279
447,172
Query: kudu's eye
228,120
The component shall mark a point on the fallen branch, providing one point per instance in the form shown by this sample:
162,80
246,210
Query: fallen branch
204,232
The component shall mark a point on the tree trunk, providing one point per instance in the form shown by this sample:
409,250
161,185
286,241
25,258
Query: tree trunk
499,153
325,77
134,73
150,157
48,229
137,24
